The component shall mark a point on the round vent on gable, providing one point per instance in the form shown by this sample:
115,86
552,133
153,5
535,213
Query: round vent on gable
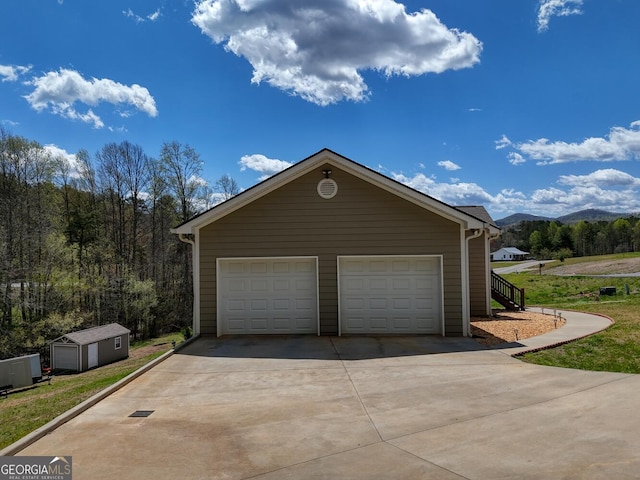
327,188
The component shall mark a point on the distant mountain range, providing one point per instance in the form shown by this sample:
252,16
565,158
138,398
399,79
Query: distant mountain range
589,215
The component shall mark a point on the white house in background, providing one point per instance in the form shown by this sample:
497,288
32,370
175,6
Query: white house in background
509,254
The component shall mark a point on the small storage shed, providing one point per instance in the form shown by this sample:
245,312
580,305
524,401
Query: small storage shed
20,371
90,348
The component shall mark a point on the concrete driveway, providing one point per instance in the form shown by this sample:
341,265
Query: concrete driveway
355,408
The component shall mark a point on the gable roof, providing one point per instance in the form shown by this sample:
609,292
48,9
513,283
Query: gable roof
95,334
511,250
479,212
324,156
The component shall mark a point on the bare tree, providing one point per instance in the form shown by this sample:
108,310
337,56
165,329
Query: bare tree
226,187
181,166
136,176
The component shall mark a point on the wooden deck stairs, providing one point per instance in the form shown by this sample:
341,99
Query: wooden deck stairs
506,293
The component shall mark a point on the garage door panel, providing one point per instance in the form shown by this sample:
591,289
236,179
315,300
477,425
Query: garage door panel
267,296
66,357
281,267
258,323
399,266
402,284
305,305
258,267
281,304
403,304
281,285
402,323
379,323
390,295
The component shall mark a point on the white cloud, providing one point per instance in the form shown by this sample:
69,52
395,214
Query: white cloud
152,17
261,164
601,178
59,91
197,180
621,144
69,158
317,49
606,189
603,189
67,111
515,158
11,73
556,8
451,193
449,165
502,143
557,201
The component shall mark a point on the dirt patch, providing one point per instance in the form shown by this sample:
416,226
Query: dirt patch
605,267
148,350
504,326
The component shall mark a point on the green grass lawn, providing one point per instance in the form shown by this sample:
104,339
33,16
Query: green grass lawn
616,349
27,410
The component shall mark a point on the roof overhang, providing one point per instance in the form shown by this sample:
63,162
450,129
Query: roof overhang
468,222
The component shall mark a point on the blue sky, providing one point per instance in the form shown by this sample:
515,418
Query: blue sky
521,106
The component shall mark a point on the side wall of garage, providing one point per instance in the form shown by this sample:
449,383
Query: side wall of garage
361,219
479,305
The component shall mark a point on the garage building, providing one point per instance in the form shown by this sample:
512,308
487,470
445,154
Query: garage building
331,247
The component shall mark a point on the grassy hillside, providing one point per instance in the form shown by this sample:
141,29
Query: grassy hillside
617,349
28,409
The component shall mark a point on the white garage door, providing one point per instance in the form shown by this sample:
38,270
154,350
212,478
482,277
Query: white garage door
267,295
65,357
397,295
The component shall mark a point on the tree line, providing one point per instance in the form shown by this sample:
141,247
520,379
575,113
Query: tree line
555,240
88,243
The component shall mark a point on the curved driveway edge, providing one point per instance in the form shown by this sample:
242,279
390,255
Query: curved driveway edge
578,325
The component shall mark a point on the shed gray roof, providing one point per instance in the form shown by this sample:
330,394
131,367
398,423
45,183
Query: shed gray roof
95,334
512,250
479,212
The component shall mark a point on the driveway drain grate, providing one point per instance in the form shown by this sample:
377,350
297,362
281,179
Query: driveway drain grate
142,413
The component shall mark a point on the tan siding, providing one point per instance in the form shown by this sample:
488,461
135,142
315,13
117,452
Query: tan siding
360,220
478,276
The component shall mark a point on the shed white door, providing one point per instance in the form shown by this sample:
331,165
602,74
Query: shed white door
92,355
267,295
65,357
390,295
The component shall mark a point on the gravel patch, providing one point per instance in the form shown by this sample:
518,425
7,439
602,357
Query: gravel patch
505,326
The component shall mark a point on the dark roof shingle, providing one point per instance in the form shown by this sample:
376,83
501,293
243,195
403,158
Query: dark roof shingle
95,334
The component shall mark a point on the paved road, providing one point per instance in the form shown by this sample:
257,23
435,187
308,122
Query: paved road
521,266
534,265
357,408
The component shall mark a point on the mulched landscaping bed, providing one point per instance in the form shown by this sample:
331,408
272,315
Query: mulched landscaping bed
505,326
